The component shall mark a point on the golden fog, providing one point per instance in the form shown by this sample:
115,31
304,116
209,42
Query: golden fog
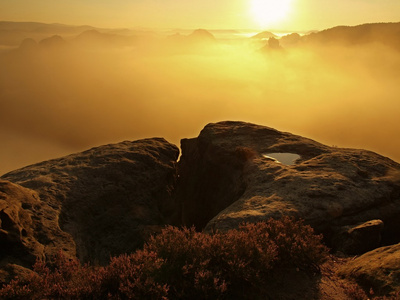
67,94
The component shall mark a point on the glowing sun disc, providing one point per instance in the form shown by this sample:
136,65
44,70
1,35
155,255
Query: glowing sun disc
267,12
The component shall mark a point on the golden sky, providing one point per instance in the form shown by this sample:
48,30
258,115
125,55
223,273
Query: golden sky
209,14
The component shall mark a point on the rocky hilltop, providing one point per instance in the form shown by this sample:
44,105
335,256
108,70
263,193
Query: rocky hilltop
94,204
231,176
107,200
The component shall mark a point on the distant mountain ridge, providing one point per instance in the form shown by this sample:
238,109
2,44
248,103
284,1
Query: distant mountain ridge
40,27
385,33
13,33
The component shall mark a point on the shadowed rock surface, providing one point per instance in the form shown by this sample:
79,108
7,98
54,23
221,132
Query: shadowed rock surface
106,199
360,238
226,178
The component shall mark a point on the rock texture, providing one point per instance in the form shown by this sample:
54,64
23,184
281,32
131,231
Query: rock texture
100,202
227,180
29,229
379,269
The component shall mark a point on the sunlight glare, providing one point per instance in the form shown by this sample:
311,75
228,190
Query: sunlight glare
268,12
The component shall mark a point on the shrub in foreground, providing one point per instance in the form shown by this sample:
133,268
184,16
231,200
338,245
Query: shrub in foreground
183,264
61,278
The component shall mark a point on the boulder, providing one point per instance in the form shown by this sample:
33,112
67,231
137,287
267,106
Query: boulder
227,176
101,202
360,238
378,269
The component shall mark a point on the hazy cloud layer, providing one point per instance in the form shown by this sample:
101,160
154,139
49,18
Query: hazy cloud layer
60,97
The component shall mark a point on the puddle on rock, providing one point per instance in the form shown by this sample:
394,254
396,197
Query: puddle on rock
283,158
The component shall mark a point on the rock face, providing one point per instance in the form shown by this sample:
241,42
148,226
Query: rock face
100,202
29,229
379,269
228,178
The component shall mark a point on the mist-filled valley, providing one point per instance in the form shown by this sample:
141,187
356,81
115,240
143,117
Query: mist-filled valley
63,92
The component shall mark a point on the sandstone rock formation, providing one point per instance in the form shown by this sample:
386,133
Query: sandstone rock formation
99,203
29,229
227,178
379,269
105,201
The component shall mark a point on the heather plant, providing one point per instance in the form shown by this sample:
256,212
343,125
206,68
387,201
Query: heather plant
203,266
135,277
62,278
126,277
183,264
235,264
297,243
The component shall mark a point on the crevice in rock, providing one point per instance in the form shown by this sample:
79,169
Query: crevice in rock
209,181
5,221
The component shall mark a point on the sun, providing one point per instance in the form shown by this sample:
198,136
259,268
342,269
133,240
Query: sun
270,12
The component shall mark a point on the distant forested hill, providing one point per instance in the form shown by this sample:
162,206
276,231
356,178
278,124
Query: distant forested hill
385,33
